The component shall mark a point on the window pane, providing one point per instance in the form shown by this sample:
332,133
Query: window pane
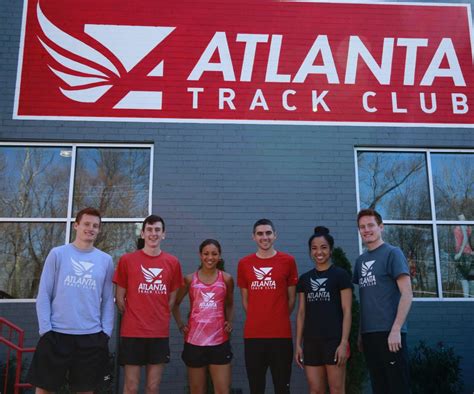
457,260
23,249
396,184
416,242
114,180
118,238
453,181
34,181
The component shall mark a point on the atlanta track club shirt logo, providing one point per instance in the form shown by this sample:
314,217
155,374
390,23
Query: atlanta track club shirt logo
82,277
367,277
153,281
318,293
256,61
207,301
264,279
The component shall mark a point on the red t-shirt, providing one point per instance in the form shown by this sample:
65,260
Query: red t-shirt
267,282
149,280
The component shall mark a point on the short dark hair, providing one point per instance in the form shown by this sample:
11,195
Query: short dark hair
370,212
321,231
263,222
152,219
88,211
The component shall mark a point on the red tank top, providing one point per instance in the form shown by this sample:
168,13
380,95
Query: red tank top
207,317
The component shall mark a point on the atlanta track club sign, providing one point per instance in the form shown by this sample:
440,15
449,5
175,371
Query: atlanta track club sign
256,61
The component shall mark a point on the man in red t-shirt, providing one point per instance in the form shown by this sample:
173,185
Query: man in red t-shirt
147,282
267,281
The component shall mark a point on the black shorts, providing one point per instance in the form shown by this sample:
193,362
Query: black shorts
144,351
318,352
78,360
201,356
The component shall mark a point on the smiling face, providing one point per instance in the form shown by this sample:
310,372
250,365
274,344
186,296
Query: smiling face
320,251
210,256
87,229
153,234
264,236
370,231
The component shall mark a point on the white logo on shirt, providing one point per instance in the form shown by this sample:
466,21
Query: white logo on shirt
319,292
208,301
367,277
318,284
153,281
264,279
152,275
82,277
263,273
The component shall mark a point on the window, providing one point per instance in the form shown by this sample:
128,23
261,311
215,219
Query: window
42,188
426,197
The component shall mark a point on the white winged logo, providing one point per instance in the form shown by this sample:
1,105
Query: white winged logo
318,284
82,268
263,273
151,274
208,297
367,268
88,73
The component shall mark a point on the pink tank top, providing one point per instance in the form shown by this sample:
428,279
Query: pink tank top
206,321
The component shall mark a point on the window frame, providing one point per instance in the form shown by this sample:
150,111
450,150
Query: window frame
69,219
433,222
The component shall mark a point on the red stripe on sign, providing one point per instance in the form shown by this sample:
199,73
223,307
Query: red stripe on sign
246,61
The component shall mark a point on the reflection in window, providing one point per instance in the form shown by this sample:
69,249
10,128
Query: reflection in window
117,238
115,180
35,199
395,184
453,181
34,181
416,242
457,260
23,249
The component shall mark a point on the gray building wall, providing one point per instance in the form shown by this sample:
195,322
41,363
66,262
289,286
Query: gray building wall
216,180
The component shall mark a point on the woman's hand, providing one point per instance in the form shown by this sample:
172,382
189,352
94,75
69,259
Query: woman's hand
183,329
299,356
341,355
228,327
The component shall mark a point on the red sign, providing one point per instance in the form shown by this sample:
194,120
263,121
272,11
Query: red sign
256,61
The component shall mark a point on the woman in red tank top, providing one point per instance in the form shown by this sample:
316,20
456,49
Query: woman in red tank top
206,333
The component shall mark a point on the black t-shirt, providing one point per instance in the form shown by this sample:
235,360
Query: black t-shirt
322,290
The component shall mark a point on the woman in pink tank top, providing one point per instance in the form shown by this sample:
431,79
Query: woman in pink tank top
206,334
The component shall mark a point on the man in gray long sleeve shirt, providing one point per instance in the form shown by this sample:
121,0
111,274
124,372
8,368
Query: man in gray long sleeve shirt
75,308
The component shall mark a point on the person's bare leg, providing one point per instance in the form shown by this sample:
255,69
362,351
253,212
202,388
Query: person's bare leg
316,377
221,376
197,380
131,379
153,378
336,379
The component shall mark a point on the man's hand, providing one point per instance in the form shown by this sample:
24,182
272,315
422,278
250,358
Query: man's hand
394,341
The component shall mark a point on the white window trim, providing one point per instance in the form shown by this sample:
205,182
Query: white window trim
69,219
433,222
